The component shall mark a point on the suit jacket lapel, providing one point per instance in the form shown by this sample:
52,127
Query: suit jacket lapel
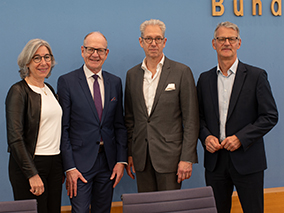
107,94
86,90
161,85
238,84
214,91
139,84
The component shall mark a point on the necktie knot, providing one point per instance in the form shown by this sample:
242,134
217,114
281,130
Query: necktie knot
95,77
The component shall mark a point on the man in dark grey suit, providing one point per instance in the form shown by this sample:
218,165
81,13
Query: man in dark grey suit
161,115
237,109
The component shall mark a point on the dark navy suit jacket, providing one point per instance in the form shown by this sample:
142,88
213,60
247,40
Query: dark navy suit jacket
252,113
81,127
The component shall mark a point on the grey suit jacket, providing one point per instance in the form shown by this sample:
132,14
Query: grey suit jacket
171,130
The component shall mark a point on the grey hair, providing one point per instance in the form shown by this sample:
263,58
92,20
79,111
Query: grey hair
94,33
152,22
27,54
227,24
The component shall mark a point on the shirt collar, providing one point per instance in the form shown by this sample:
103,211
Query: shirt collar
89,73
232,70
161,63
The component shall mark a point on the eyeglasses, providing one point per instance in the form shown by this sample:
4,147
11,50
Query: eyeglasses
37,58
231,40
149,40
91,50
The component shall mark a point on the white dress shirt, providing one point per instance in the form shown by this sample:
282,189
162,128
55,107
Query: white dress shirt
150,84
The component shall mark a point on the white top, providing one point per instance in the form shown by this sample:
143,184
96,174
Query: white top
150,84
49,135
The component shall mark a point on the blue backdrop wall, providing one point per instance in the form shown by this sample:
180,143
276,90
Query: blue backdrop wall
190,27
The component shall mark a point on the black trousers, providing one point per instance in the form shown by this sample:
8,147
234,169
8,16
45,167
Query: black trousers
225,177
51,172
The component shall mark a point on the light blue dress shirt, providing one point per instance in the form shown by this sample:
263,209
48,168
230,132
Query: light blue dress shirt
225,85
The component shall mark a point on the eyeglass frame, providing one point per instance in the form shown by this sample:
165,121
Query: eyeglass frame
96,49
151,40
34,60
232,39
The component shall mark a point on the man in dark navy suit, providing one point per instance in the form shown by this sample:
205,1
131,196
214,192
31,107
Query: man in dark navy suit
237,109
94,141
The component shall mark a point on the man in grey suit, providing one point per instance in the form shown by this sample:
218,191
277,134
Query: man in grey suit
161,116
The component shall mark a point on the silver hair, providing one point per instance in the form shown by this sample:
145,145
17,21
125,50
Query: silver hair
152,22
94,33
227,24
27,54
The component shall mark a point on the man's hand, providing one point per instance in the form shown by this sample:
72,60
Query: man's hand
212,144
118,172
129,166
37,186
184,171
231,143
72,177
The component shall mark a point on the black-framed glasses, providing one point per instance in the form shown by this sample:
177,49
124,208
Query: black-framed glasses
38,58
222,40
91,50
149,40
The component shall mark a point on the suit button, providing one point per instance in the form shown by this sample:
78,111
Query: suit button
148,121
146,140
